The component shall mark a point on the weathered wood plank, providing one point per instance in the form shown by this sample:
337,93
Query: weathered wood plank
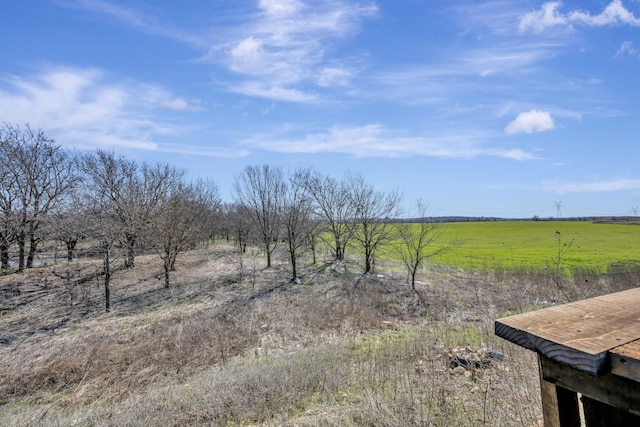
591,363
610,389
550,408
625,360
559,405
579,334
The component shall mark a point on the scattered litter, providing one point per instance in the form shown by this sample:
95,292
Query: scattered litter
472,360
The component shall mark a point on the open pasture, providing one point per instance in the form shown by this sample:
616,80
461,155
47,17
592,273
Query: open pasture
532,245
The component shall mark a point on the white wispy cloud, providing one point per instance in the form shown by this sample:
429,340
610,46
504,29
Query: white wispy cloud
375,140
549,15
144,21
530,122
499,69
273,92
87,108
285,48
627,48
621,184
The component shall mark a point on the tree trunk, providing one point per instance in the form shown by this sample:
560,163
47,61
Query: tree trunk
33,244
312,245
4,257
167,269
130,259
292,254
268,256
172,261
339,252
367,260
71,246
21,244
107,277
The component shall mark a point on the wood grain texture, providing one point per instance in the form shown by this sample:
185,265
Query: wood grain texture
594,364
578,334
613,390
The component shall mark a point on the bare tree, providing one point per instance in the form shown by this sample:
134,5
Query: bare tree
374,213
106,178
239,224
259,189
296,217
182,219
107,229
152,185
128,197
419,242
312,236
8,206
70,222
333,209
134,192
38,172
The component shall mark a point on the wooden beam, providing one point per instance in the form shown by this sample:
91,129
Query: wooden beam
559,405
610,389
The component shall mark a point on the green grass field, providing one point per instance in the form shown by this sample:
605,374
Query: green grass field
534,244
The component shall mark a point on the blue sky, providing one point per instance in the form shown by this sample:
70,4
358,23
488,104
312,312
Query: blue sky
494,108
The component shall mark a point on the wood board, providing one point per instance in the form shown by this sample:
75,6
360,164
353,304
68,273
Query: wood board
625,360
578,334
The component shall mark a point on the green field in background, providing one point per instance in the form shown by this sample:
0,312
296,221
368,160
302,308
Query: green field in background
533,245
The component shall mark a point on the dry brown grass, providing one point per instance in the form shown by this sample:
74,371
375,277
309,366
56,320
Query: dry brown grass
225,346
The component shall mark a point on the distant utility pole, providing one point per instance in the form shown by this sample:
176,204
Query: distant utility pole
635,211
558,205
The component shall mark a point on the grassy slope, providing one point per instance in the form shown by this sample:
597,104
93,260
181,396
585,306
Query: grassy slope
231,344
225,347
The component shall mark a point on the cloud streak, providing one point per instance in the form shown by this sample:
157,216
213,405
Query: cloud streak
139,20
374,140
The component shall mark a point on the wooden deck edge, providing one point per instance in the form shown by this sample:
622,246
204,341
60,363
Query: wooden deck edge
593,364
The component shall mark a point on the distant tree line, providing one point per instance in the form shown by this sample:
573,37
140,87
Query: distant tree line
126,208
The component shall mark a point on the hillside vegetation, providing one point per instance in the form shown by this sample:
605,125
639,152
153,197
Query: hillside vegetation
235,343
